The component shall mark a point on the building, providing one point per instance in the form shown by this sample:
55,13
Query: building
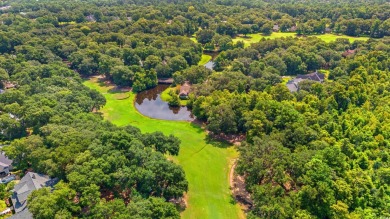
315,76
5,164
184,90
293,85
348,53
30,182
275,28
293,28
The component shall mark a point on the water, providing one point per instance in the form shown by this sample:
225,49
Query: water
210,64
149,103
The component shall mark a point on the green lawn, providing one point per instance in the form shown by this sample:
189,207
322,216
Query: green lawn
194,39
205,163
256,37
332,37
205,59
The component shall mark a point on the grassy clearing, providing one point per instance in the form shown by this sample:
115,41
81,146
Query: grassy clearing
194,39
205,59
205,162
285,79
256,37
332,37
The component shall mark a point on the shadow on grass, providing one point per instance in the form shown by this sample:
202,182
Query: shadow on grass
196,124
220,143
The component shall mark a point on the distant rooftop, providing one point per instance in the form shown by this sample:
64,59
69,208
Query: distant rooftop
30,182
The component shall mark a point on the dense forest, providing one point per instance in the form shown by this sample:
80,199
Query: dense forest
321,152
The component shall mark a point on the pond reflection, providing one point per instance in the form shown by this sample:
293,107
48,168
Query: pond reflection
149,103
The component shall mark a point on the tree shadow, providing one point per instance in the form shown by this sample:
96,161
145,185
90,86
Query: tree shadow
220,143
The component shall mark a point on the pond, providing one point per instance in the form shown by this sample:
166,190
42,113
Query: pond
210,64
150,104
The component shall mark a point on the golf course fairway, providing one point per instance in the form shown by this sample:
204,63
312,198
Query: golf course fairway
205,162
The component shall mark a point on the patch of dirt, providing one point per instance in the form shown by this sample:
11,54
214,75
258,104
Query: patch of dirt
109,83
232,139
181,203
237,186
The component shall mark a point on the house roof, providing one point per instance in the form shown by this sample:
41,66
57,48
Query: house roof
30,182
349,52
185,89
315,76
4,160
25,214
292,85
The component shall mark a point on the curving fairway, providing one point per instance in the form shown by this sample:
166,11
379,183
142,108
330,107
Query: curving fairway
206,163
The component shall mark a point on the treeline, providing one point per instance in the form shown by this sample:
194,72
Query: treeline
225,17
320,152
100,165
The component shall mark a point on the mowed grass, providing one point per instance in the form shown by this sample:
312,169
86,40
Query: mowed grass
205,59
205,162
256,37
332,37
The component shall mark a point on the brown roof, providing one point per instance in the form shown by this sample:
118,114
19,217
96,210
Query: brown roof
185,89
349,52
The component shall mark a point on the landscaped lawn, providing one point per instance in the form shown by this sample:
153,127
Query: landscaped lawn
256,37
332,37
206,163
205,59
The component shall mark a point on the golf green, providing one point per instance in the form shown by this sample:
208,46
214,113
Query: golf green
205,162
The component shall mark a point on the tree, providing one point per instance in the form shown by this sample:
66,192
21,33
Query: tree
204,36
275,61
122,76
266,29
177,63
43,203
174,100
151,62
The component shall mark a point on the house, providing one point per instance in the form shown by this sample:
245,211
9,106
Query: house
5,8
2,91
90,18
275,28
184,90
315,76
349,52
328,30
30,182
293,85
293,28
5,164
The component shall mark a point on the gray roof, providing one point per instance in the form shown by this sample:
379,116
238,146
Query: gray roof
25,214
4,160
30,182
292,85
315,76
